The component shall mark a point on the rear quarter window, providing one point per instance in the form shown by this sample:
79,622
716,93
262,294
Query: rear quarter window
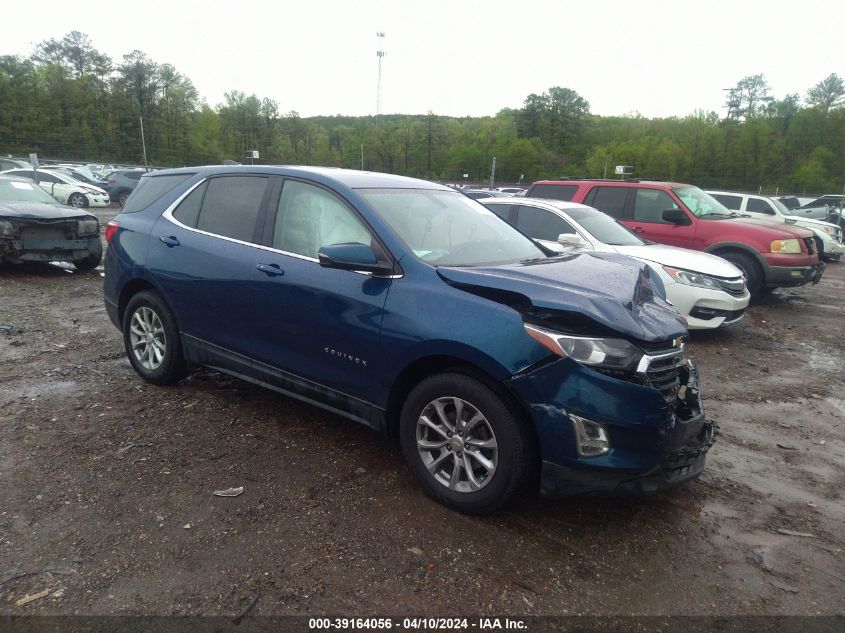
553,192
150,189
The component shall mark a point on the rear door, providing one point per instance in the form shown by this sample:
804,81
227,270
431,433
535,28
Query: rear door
201,255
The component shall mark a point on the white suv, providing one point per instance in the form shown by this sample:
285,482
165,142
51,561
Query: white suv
828,235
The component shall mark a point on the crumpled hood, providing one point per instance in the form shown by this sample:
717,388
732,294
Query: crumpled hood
41,211
612,290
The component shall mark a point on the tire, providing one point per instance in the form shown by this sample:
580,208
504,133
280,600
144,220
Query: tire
77,200
751,270
477,488
819,247
159,360
93,259
122,197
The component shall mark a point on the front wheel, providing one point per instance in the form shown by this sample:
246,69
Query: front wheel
152,340
465,444
77,200
95,255
753,274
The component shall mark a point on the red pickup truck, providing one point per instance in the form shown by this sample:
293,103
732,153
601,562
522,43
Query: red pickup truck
770,254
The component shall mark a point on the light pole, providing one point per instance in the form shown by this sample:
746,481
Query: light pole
380,55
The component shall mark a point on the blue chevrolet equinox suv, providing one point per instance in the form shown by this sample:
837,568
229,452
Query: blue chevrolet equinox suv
501,367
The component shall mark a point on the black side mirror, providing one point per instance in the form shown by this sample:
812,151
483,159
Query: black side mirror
676,216
352,256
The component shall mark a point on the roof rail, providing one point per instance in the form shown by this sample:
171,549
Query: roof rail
599,179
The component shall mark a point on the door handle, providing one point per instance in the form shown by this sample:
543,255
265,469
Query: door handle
271,270
169,240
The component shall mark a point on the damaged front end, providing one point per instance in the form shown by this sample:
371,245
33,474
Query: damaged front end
615,402
43,240
612,415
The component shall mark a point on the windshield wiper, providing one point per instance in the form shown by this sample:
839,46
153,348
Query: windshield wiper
720,215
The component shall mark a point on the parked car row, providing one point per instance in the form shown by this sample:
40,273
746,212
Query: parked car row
770,253
77,186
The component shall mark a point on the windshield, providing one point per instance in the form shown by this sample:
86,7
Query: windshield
65,177
604,228
703,205
445,228
16,191
785,210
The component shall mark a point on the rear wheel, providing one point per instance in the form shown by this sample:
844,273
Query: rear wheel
465,444
152,340
751,269
122,198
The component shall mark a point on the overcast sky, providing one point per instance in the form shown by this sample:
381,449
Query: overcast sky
459,58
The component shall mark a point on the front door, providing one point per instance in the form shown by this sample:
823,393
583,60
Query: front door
646,218
321,324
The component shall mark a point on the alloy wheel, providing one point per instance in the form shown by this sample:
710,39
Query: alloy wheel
146,335
457,444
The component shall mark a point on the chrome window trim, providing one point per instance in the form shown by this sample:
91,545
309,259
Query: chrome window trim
168,215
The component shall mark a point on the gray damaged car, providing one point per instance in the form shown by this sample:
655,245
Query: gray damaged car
35,228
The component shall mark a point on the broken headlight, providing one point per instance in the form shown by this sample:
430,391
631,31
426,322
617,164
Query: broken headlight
611,353
87,227
7,229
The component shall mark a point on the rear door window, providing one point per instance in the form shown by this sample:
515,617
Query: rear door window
541,224
610,200
231,205
649,205
555,192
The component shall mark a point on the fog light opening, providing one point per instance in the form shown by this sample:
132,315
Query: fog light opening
591,438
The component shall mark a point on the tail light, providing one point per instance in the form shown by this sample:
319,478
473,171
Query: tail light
110,181
111,229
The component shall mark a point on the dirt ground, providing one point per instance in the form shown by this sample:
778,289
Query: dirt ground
106,489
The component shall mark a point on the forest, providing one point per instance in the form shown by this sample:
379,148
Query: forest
69,101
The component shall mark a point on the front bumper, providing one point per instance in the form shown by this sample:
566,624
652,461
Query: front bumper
562,481
833,249
654,443
777,276
706,309
98,200
45,250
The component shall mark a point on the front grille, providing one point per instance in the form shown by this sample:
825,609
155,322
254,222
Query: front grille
734,287
41,232
811,245
663,372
